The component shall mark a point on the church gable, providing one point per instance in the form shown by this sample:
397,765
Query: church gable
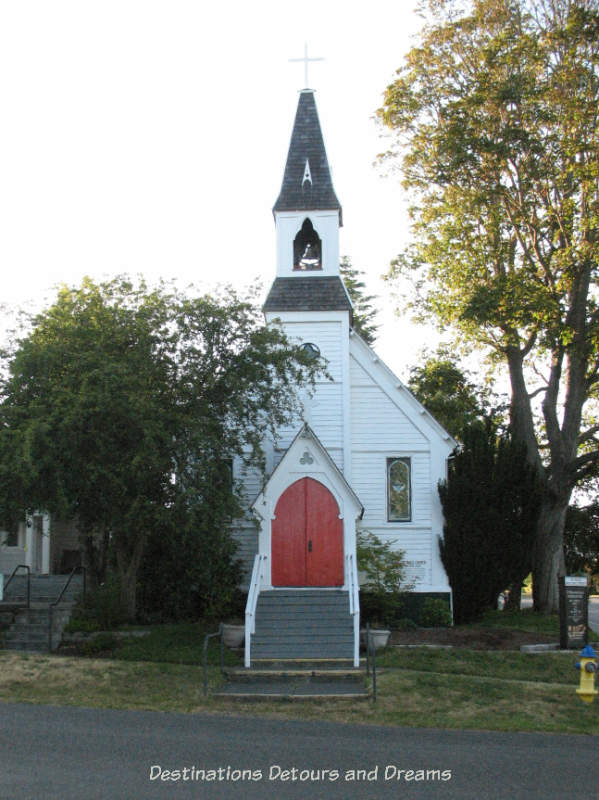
306,457
375,417
378,394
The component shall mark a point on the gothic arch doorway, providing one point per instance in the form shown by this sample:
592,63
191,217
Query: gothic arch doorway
307,537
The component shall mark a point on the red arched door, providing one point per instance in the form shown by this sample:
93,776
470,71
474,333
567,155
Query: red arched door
307,537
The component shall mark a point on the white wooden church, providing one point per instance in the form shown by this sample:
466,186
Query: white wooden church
366,455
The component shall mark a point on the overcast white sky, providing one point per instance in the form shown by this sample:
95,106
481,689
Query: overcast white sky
150,137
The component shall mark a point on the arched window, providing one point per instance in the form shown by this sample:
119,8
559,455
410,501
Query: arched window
307,248
399,495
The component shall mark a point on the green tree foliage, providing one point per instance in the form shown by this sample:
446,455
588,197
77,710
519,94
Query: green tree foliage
446,391
364,312
490,503
581,540
121,405
495,114
383,574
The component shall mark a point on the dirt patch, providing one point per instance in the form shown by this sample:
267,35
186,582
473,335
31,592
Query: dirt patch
471,638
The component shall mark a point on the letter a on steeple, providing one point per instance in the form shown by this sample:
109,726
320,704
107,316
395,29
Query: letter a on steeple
307,174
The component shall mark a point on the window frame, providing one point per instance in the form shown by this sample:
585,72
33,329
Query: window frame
388,463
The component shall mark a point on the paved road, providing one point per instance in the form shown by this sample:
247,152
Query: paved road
49,753
594,613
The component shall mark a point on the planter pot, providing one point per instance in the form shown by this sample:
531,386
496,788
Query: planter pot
233,635
378,636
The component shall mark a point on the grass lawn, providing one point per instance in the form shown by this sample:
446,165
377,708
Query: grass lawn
421,687
175,644
524,620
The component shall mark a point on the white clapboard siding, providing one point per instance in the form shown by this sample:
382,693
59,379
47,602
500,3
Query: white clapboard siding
324,414
369,481
376,419
247,547
327,336
417,548
358,375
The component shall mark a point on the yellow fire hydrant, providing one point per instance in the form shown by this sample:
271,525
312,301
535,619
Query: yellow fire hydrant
588,669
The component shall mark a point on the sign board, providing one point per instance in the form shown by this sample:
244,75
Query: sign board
575,580
573,612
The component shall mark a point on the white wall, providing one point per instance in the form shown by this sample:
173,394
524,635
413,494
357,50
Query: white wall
387,422
288,225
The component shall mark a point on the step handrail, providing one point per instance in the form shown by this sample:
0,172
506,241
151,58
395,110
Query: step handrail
371,655
219,633
60,596
252,602
14,572
354,603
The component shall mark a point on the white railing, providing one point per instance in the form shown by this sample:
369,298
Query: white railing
252,602
354,602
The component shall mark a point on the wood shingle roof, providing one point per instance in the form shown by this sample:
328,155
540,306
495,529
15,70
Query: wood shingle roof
307,145
313,293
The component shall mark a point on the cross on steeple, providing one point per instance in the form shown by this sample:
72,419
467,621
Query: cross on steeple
305,59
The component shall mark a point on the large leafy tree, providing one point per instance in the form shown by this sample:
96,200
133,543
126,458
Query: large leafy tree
123,404
582,539
495,112
445,389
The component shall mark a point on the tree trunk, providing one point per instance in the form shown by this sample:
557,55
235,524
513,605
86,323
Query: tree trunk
128,593
95,555
514,597
548,555
127,567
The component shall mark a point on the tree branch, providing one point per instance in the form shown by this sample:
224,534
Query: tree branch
550,404
538,391
588,435
585,460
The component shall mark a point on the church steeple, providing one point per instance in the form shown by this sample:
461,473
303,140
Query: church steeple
307,218
307,184
307,212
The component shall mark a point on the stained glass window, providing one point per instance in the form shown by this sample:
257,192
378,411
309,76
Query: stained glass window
399,500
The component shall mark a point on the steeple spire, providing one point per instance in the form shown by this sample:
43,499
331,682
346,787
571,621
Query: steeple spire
307,184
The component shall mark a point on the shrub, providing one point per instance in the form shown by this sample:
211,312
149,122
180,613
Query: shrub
490,504
101,609
383,572
435,613
104,642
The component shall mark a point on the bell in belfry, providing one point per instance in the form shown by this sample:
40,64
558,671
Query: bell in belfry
310,258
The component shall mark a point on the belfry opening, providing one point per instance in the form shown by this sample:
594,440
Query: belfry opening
307,248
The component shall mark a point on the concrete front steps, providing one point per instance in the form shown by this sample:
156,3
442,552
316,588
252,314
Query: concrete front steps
303,624
28,628
295,679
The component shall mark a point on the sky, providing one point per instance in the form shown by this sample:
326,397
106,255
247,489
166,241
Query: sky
150,137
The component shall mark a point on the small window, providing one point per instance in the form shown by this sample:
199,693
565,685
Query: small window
311,349
399,494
